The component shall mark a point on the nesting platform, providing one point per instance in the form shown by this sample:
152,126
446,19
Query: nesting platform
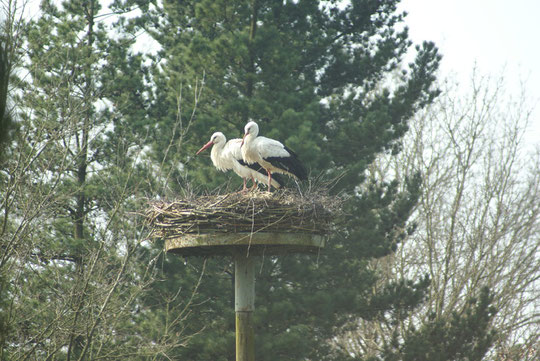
244,226
259,223
255,244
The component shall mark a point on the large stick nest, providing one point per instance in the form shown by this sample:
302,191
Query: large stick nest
281,211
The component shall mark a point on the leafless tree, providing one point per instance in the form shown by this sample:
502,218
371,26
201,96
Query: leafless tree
75,265
478,218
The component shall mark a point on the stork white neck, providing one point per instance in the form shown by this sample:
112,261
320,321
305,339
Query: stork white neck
251,131
219,140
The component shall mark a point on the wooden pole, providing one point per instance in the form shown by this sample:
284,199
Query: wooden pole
244,304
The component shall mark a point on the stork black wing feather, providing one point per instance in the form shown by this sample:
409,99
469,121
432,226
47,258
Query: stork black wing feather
279,179
257,167
291,164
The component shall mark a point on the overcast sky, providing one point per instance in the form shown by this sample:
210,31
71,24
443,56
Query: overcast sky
496,35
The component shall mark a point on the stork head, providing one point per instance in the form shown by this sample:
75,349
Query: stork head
252,129
216,138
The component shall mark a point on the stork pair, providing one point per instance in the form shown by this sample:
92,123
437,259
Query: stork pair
254,157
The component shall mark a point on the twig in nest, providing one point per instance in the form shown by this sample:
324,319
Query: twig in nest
283,211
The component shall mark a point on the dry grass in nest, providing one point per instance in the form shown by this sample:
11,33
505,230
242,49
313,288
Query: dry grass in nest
281,211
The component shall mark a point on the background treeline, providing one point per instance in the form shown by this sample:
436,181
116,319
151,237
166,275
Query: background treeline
103,107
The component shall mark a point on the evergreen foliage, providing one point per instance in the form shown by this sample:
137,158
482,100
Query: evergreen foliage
5,125
7,46
103,126
75,270
5,117
316,76
466,335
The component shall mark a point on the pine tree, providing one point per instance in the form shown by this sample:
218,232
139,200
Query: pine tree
5,118
60,119
10,27
6,125
72,250
466,335
316,76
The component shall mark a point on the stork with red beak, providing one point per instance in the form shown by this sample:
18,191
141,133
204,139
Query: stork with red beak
227,155
273,156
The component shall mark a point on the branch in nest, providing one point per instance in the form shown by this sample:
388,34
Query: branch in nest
281,211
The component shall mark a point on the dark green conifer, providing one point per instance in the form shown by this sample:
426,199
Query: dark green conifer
466,335
330,82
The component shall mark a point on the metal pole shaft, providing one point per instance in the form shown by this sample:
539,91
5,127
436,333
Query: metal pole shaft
244,304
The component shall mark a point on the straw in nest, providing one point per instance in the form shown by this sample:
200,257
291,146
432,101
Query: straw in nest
281,211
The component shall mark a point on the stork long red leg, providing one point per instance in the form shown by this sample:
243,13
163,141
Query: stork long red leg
254,186
269,179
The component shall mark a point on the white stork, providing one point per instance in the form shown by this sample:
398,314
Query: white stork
227,155
270,154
